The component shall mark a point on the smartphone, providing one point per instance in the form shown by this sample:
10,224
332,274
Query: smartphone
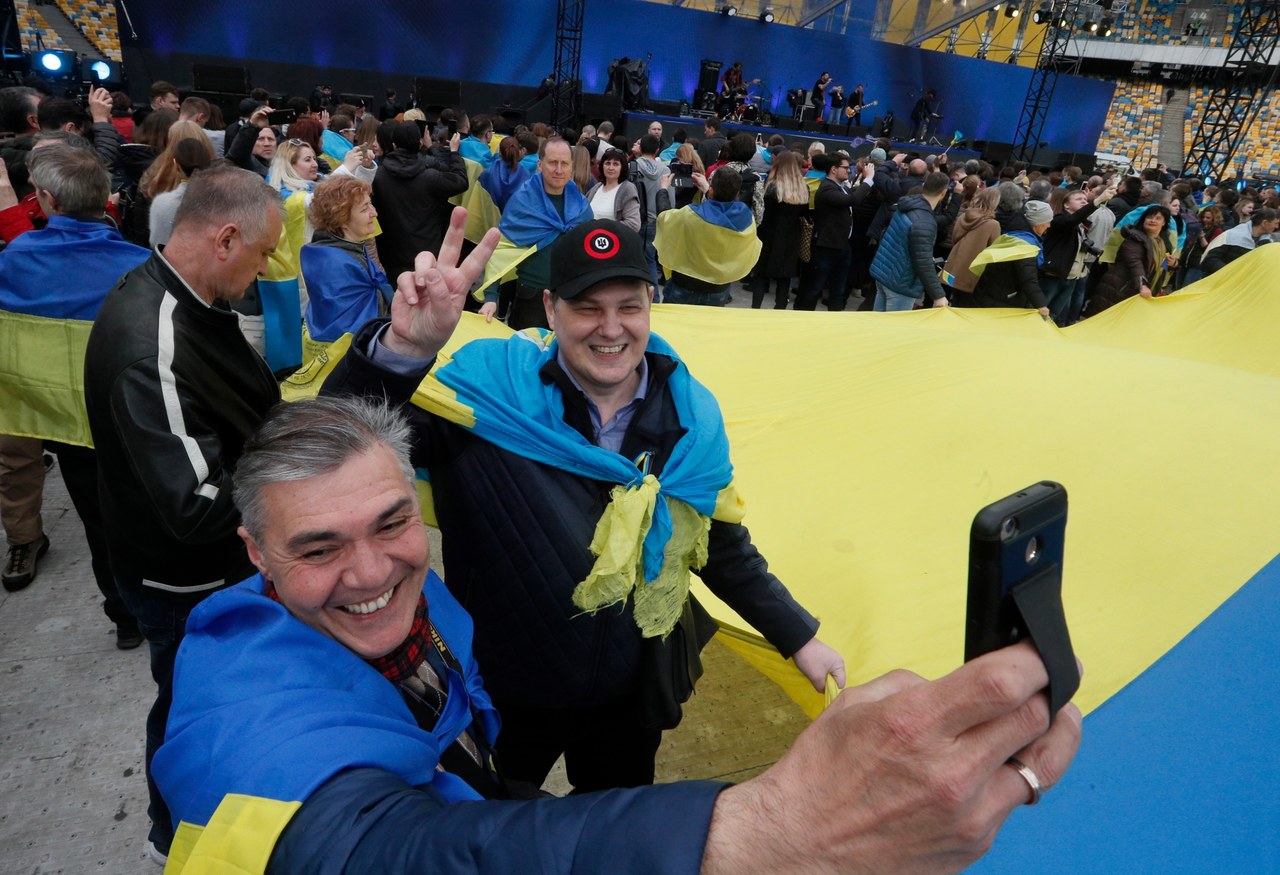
1015,542
283,116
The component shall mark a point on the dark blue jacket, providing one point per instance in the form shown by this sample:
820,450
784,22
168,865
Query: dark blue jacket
904,260
516,534
370,822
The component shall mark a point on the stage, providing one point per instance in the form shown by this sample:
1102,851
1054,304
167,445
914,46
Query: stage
635,124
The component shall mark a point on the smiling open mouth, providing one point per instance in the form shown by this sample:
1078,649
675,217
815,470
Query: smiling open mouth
369,607
608,350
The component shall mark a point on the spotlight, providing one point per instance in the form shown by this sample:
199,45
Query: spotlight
1043,15
1062,21
1108,26
54,62
1012,10
1090,27
729,11
767,15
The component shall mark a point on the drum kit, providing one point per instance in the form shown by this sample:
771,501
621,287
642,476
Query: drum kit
746,109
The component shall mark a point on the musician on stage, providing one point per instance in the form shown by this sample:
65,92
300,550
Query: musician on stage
733,90
857,100
925,115
818,96
837,105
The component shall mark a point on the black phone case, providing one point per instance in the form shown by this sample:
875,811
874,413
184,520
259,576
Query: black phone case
1030,607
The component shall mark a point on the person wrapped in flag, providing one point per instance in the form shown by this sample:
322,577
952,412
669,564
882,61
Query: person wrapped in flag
705,247
542,209
1008,269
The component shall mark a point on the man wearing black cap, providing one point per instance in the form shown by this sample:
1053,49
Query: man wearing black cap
542,452
411,193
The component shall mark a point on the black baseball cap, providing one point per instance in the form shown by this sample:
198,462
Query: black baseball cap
593,252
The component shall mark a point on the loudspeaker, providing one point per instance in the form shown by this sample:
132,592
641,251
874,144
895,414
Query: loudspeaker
785,123
709,75
996,152
811,126
597,107
215,77
704,101
436,94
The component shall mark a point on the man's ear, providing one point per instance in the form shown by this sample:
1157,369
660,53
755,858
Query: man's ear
548,303
255,552
223,240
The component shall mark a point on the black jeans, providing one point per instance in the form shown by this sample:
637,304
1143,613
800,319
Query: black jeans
781,295
604,747
163,621
80,474
828,269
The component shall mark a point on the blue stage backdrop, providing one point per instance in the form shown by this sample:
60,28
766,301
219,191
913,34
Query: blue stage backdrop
499,41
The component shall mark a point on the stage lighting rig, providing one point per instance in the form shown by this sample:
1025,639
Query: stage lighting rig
767,15
1107,27
1090,27
729,10
1044,14
1012,9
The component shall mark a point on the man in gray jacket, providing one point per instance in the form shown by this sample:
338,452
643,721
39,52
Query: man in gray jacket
647,172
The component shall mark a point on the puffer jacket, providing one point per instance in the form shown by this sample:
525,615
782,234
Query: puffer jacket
904,260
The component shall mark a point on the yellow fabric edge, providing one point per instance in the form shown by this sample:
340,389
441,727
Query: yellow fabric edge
239,837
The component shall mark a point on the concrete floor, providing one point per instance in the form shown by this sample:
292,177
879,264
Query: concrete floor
72,709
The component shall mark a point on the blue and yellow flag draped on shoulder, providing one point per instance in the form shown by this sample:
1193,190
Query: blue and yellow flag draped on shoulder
652,532
266,709
45,317
1010,246
482,212
280,289
711,241
531,222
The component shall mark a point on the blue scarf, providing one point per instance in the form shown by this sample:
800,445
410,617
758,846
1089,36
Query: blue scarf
530,219
517,411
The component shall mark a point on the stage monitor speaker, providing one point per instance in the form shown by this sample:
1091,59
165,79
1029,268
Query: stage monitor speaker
813,126
709,75
598,107
218,78
704,101
437,93
785,123
997,152
665,107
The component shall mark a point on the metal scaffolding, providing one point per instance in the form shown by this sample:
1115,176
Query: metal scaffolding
566,92
1248,73
1044,79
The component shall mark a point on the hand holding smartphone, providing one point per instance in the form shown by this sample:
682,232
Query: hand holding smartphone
1016,549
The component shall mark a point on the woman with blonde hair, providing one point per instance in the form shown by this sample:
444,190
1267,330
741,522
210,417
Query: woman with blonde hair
582,176
975,229
164,174
786,203
686,154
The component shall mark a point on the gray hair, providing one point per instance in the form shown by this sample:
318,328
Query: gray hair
76,178
1012,196
227,195
304,439
67,138
1039,190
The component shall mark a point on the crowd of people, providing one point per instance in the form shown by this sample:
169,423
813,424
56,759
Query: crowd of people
576,480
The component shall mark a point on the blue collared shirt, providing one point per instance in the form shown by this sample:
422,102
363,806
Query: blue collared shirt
609,435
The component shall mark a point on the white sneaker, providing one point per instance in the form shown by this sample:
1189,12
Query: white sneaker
155,856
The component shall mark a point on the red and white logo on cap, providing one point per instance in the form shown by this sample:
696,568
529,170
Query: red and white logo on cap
602,244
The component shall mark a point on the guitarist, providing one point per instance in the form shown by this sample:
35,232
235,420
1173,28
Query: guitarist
856,104
733,89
